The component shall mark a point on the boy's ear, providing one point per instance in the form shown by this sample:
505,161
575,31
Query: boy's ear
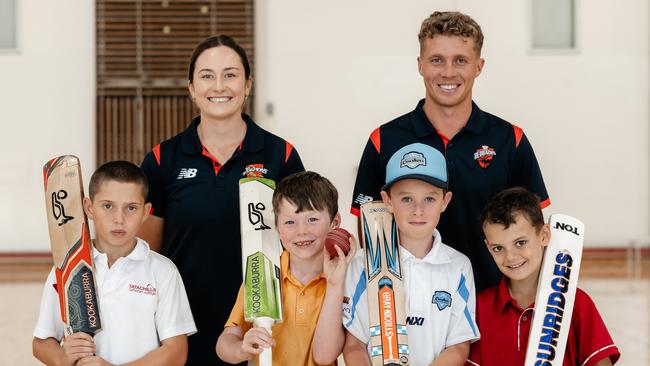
147,211
387,201
445,200
336,221
88,207
546,235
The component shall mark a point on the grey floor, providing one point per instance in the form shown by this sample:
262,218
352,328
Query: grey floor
624,304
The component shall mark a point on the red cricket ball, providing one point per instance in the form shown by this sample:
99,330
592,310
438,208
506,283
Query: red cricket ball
339,237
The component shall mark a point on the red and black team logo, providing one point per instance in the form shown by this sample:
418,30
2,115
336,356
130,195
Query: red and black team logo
484,155
255,171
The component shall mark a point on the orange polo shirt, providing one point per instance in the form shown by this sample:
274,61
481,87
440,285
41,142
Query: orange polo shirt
301,308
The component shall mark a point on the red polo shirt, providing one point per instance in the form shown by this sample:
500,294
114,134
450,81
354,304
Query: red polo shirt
504,328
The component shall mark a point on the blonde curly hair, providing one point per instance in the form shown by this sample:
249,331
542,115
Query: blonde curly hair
451,23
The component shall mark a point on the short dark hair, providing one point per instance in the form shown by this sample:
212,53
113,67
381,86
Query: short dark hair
307,191
119,171
216,41
451,23
507,204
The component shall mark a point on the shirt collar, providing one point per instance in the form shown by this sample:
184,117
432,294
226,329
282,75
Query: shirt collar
253,140
435,256
423,126
504,299
139,252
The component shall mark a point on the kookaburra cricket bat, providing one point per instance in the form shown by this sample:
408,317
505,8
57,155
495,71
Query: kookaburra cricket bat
261,250
71,246
386,299
556,292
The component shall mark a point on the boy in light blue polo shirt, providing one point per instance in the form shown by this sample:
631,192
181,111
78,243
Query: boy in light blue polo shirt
438,280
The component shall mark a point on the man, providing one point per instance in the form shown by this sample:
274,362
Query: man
484,153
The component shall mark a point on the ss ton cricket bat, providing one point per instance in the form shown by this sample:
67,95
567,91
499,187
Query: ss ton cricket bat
261,250
386,300
556,292
70,243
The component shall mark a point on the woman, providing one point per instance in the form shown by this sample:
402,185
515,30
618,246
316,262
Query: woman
194,191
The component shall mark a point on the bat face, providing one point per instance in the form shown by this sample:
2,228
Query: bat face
261,250
387,313
70,243
558,281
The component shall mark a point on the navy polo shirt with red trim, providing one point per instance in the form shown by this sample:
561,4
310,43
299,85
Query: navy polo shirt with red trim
485,157
198,196
505,328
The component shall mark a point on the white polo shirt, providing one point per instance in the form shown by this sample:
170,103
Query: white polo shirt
142,301
440,298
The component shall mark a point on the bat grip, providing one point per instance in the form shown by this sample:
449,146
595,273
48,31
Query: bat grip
266,357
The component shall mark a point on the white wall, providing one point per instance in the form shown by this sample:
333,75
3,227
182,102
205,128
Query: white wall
335,70
47,96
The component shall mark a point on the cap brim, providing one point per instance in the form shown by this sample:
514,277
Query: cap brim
433,181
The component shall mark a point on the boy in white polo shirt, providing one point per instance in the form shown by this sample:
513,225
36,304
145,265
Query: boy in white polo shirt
438,280
144,310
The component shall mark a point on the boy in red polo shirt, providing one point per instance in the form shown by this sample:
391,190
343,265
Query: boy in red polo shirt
516,236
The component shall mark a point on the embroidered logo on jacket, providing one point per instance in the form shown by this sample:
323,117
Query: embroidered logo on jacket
362,198
484,155
148,289
442,299
255,170
187,173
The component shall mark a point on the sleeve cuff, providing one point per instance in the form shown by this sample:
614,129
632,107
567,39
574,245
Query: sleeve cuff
188,329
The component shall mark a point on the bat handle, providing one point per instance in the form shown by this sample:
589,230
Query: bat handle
266,357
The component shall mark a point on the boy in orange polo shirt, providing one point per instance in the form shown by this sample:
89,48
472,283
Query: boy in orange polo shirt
306,209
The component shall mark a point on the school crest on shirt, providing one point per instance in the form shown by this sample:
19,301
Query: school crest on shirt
484,155
255,171
442,299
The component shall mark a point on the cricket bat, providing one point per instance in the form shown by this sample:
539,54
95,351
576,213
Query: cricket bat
261,250
70,243
386,300
556,292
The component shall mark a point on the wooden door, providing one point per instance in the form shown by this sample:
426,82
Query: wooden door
143,47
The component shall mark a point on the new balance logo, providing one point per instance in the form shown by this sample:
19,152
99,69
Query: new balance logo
414,320
362,198
187,173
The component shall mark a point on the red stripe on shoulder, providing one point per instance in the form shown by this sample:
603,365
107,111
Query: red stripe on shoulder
156,153
355,211
518,134
288,148
545,203
376,138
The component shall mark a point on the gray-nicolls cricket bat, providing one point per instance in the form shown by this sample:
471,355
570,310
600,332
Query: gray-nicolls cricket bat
386,298
556,290
261,250
71,246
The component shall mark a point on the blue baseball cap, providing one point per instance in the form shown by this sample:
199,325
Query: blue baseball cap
417,161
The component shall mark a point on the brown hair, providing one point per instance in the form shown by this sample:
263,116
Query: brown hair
451,23
307,191
119,171
507,204
216,41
